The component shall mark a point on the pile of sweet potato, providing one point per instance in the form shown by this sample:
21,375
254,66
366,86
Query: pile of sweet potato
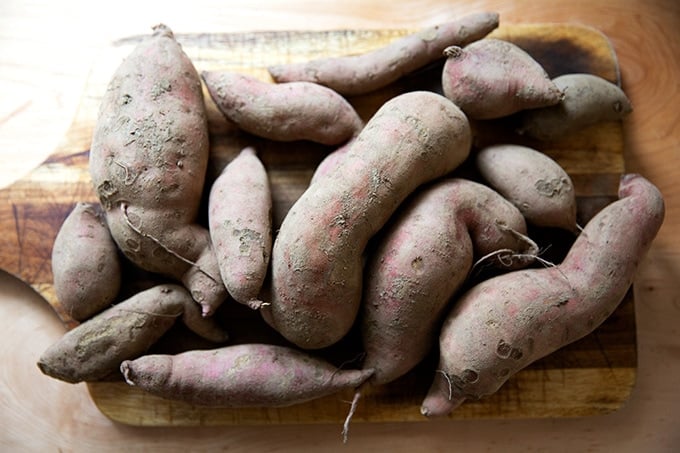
386,245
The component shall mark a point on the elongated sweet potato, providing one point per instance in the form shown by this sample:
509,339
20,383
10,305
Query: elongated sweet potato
85,263
283,111
505,323
317,255
240,224
422,259
358,74
98,346
248,375
492,78
148,162
588,100
533,182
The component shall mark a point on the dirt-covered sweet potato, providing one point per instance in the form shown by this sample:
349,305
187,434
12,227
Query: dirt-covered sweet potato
85,263
317,256
240,225
505,323
359,74
532,181
148,162
246,375
283,111
422,258
588,99
97,347
492,78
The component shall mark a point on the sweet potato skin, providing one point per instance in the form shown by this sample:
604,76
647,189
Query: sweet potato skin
532,181
248,375
359,74
588,99
240,224
148,161
492,78
505,323
151,130
96,348
85,263
283,111
317,255
422,258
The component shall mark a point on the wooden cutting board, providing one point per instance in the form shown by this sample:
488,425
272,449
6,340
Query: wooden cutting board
592,376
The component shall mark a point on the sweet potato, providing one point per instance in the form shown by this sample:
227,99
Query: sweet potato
588,100
98,346
359,74
283,111
247,375
492,78
505,323
85,263
533,182
240,225
422,258
317,256
148,162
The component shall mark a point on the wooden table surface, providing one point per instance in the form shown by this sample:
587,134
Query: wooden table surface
46,52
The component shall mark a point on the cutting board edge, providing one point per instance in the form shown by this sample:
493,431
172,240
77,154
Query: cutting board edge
625,378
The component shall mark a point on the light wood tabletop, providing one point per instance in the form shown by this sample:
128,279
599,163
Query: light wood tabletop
47,52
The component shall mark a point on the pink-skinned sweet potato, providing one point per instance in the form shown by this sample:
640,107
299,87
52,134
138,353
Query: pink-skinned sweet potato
588,100
493,78
359,74
148,162
422,259
532,181
96,348
283,111
246,375
507,322
317,255
85,263
240,225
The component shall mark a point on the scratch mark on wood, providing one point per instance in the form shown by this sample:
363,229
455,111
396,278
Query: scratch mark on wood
603,351
17,230
70,158
15,112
